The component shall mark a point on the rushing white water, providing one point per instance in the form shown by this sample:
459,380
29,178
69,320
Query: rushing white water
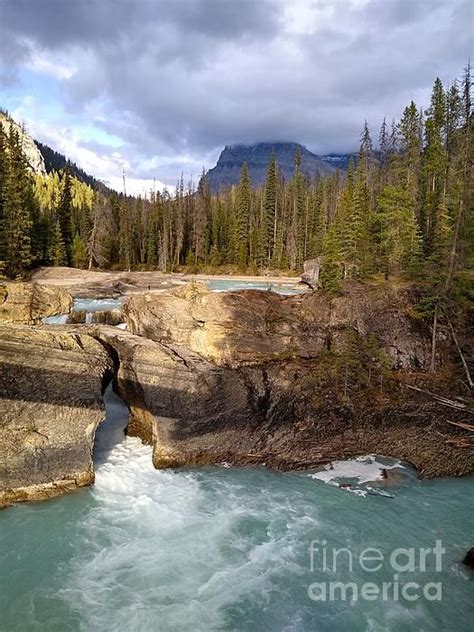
220,549
97,304
58,319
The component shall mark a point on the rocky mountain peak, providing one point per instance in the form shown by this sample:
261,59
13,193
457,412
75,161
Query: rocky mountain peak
257,156
33,155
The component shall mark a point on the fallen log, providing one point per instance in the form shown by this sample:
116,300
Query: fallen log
441,399
462,425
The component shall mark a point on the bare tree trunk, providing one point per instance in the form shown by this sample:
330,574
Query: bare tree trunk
433,341
452,254
461,355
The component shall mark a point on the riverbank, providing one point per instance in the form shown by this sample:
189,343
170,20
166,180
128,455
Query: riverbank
243,377
98,284
220,548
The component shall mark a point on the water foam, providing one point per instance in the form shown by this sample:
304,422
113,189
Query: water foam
170,546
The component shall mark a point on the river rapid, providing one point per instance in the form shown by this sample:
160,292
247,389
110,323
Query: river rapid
230,549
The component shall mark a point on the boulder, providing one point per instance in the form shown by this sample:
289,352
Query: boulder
28,303
312,269
51,382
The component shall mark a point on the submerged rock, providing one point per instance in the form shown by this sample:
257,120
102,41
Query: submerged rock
51,384
469,558
29,303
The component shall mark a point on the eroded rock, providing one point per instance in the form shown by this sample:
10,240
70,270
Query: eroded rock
51,404
194,412
250,327
28,303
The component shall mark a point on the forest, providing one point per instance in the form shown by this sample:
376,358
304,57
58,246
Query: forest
403,208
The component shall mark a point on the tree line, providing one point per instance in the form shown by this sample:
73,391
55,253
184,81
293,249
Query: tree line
404,207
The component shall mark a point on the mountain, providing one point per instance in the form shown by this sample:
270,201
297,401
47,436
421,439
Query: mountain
43,160
54,161
340,161
228,167
33,155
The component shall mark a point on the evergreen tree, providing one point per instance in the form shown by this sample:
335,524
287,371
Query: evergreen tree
434,165
3,181
57,249
331,265
268,233
64,212
79,252
152,250
400,243
242,218
18,255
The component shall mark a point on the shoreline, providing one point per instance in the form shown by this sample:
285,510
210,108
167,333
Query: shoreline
73,276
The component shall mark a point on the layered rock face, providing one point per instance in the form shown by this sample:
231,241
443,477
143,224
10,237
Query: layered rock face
250,327
244,377
28,303
51,404
252,377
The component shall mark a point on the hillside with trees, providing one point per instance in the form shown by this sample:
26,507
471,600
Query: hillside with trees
55,162
405,209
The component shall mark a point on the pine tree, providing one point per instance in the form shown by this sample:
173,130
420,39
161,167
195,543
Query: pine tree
102,225
268,233
3,181
434,164
242,218
152,250
356,244
79,252
57,249
331,266
64,212
400,243
18,255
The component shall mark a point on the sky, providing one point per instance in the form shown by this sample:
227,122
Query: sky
156,88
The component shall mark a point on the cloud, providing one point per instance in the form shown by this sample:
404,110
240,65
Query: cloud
175,81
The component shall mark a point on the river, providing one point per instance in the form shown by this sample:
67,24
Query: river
228,549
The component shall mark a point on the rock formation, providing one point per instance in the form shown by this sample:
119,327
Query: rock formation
253,377
312,270
245,377
51,383
28,303
249,327
33,155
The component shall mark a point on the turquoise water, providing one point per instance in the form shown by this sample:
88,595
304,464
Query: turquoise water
223,549
225,285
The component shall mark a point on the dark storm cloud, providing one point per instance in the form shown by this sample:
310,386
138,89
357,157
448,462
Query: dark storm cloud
181,78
